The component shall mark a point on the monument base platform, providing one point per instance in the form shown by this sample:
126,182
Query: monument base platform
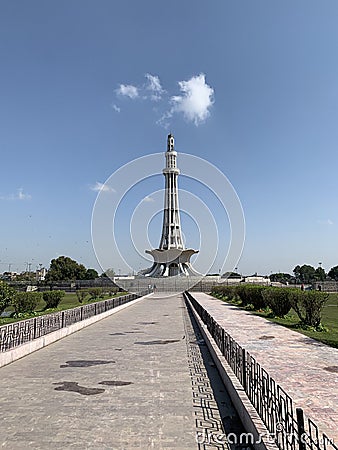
171,262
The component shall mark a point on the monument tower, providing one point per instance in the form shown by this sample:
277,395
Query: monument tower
171,258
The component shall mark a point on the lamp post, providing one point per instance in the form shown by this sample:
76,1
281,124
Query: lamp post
322,278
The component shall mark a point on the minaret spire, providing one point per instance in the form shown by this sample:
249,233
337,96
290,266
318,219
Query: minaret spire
171,231
171,258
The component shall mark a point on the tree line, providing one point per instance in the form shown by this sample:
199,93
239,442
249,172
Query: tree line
306,274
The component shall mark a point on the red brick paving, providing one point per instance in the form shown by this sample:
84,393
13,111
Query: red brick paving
296,362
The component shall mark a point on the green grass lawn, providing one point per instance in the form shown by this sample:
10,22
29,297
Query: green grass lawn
68,301
329,320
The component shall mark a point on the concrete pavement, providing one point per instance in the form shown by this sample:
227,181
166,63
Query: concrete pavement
139,379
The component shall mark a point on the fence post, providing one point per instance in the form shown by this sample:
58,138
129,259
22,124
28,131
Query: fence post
244,369
223,342
301,429
62,319
34,328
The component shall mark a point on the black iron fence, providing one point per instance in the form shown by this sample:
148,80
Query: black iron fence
287,425
17,333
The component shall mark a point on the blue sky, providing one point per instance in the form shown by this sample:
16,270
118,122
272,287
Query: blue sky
251,86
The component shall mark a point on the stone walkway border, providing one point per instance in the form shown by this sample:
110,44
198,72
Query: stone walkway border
207,415
286,424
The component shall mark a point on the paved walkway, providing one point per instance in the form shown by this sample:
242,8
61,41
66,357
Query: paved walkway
140,379
306,369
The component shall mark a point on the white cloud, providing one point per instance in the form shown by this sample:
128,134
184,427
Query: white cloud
128,90
196,101
20,195
148,199
97,187
325,222
154,85
164,120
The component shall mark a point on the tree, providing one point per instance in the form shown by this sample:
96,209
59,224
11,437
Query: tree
52,298
297,273
280,277
81,294
308,306
320,274
95,292
333,273
91,274
64,268
305,273
6,295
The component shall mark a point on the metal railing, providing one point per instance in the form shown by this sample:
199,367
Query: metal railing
17,333
287,426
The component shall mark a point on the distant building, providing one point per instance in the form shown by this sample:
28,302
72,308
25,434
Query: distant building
124,277
259,279
41,274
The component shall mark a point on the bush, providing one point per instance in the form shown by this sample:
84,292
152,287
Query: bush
224,292
313,302
230,293
81,294
217,291
113,291
295,297
256,296
95,292
242,293
26,302
249,307
250,294
6,295
278,300
308,306
52,298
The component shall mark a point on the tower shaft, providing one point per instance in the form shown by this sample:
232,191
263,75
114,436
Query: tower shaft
171,230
